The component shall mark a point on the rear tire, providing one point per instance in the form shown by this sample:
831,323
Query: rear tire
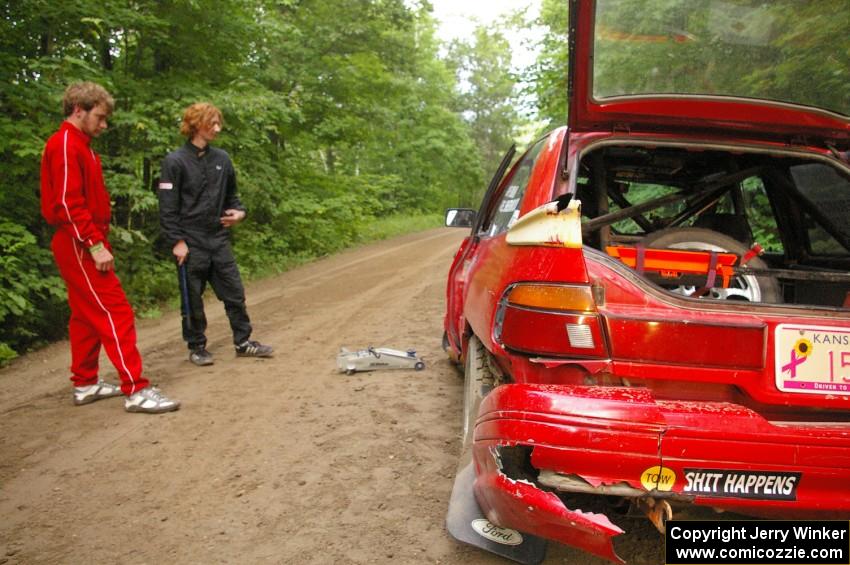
478,382
741,287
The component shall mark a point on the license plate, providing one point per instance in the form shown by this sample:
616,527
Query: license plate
812,360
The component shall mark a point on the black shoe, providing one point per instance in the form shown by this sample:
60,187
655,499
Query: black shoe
253,349
201,357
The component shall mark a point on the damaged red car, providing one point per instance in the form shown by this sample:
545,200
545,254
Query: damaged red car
652,308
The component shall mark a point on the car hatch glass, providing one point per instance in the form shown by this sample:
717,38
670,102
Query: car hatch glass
783,50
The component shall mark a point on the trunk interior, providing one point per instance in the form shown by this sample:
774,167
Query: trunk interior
770,227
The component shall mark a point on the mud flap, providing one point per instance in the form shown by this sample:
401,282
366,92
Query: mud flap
467,524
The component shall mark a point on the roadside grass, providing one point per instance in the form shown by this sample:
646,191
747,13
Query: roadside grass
165,280
378,229
391,226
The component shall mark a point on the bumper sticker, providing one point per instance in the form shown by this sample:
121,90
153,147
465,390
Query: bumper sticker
658,478
766,485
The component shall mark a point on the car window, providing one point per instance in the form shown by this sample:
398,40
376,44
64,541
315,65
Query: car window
760,215
506,210
636,193
829,193
757,208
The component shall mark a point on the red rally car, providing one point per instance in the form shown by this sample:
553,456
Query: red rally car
653,305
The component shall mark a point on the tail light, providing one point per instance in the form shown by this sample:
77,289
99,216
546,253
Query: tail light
551,319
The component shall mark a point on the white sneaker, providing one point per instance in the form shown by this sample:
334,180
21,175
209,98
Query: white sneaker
151,401
91,393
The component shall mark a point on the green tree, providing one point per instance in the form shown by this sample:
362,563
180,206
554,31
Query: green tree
337,112
548,75
489,96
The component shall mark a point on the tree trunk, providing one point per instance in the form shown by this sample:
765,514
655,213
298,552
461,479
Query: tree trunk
105,53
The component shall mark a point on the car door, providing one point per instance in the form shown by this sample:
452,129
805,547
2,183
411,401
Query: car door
488,262
456,288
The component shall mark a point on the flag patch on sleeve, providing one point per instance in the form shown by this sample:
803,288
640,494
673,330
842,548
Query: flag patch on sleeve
165,186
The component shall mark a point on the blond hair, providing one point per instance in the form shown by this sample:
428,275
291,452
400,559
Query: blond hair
86,95
197,116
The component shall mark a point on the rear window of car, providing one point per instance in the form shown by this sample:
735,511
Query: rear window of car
829,194
784,50
757,205
760,215
637,193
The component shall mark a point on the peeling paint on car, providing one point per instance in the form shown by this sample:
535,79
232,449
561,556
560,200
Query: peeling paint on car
548,225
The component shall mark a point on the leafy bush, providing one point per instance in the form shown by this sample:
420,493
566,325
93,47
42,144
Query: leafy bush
29,290
336,113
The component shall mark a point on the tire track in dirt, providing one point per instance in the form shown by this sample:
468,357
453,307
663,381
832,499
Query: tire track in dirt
282,460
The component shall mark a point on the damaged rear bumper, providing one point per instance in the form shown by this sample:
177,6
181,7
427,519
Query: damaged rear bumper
534,440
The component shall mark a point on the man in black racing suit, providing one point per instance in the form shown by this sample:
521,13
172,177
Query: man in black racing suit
197,206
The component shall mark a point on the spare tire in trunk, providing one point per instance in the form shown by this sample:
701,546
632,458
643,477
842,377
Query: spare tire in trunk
742,287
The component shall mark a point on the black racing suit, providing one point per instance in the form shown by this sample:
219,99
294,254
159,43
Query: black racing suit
195,187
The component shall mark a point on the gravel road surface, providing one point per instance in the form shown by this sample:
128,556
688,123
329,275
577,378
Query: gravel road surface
280,460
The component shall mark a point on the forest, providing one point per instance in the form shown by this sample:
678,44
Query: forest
346,120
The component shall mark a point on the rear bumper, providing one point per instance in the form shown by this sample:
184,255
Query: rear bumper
622,441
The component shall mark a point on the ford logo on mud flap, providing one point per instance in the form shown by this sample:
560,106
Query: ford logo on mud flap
505,536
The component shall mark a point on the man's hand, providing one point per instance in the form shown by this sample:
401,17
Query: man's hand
232,217
103,260
180,250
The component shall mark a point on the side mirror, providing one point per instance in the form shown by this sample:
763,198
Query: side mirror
460,217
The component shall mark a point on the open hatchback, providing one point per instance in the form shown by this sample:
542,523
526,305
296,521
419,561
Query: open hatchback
653,305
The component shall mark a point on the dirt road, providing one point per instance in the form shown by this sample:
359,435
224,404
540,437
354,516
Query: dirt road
268,461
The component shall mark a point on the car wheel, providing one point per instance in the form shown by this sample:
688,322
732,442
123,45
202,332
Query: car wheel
419,365
478,382
741,287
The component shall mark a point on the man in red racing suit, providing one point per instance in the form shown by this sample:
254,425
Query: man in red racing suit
75,201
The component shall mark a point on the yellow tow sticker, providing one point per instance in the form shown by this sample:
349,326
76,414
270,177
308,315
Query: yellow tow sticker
658,478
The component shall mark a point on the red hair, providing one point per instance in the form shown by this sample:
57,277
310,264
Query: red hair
197,116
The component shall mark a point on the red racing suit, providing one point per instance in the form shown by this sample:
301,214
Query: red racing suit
74,199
